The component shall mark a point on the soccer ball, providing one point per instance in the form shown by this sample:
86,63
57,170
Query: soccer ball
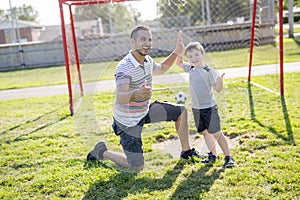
180,97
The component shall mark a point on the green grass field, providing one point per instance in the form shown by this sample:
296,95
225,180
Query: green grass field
43,149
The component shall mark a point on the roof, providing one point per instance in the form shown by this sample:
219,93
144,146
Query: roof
7,24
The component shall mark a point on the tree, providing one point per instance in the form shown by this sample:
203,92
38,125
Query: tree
26,13
221,11
115,17
2,16
286,4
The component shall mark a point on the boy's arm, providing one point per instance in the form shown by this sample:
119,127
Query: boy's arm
179,60
218,86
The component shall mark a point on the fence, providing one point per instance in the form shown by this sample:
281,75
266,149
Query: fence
213,37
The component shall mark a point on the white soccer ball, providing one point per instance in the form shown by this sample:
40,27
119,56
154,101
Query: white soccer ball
180,97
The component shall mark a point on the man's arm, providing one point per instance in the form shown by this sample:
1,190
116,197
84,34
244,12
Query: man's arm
169,61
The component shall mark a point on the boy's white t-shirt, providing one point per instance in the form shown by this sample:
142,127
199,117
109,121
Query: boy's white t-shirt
201,81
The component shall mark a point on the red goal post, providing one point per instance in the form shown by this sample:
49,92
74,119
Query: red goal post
280,16
69,40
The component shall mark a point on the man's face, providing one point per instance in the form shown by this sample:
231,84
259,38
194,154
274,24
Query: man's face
194,57
142,44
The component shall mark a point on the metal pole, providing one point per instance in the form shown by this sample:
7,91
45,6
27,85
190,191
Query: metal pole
281,45
208,13
252,38
203,12
21,51
14,16
291,19
12,23
76,50
67,61
110,18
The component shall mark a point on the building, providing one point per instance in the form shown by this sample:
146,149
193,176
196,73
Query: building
33,31
13,31
89,28
50,33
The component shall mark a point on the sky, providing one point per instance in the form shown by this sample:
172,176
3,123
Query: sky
49,9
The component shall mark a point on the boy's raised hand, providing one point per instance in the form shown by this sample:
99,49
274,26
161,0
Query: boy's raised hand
179,45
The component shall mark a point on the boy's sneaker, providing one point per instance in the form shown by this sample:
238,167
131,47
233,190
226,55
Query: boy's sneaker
229,162
210,159
97,152
190,154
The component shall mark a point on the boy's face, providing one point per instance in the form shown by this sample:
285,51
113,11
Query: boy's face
195,57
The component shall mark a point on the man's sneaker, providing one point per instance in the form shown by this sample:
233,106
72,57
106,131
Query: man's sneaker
190,154
229,162
210,159
97,152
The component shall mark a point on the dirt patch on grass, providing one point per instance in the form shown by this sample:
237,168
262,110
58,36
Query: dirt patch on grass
173,147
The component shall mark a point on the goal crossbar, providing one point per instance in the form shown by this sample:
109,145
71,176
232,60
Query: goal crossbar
89,2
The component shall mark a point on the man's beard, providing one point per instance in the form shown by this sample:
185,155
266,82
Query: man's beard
142,54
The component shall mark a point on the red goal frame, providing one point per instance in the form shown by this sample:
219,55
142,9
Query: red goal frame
71,3
66,46
280,13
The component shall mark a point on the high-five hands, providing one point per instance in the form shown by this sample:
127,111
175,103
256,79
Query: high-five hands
179,50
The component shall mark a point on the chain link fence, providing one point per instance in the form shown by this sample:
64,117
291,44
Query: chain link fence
102,30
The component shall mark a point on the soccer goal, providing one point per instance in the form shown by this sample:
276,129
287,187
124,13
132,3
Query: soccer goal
95,34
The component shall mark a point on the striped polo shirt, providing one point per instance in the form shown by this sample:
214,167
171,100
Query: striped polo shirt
129,71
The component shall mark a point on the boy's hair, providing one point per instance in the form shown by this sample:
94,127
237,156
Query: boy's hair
134,32
194,45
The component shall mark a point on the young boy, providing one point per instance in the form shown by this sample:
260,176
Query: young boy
202,79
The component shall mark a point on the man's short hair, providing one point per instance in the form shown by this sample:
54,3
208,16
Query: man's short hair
134,32
194,45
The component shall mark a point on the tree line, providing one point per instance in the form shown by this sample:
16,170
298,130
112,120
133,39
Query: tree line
171,13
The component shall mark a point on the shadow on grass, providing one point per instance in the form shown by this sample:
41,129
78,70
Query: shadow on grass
35,120
125,183
289,138
41,163
287,121
27,122
297,40
197,184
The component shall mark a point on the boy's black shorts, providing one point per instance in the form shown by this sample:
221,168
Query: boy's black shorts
207,118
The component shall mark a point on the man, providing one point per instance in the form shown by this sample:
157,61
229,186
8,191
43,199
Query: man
133,108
